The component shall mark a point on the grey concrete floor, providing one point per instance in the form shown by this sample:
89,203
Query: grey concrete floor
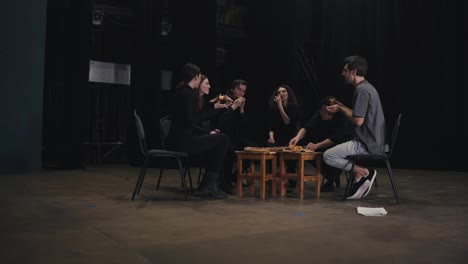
86,216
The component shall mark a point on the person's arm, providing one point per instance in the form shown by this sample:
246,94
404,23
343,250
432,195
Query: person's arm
339,107
320,145
300,135
283,114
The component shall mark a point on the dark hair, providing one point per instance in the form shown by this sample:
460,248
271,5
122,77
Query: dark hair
236,83
291,96
358,63
188,72
198,97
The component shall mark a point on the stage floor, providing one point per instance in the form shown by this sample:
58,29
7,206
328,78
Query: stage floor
86,216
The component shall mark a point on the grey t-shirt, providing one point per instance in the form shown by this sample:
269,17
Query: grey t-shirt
366,104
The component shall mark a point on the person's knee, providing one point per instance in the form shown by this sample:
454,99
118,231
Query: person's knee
327,157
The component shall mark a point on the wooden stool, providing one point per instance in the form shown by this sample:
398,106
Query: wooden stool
300,176
251,175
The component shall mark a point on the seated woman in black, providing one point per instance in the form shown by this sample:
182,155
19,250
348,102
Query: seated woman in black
184,136
206,112
283,117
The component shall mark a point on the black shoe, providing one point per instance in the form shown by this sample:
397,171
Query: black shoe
227,188
358,189
217,195
327,187
337,181
212,194
371,178
234,176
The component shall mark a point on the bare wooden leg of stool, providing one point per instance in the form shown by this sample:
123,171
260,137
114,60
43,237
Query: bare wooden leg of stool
239,177
318,174
282,176
262,177
273,181
251,181
300,179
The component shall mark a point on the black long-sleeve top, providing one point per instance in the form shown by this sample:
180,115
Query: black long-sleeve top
207,113
183,126
233,123
283,133
338,129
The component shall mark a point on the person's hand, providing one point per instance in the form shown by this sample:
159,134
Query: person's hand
221,106
278,100
293,141
215,131
214,100
228,100
238,102
333,108
271,140
311,146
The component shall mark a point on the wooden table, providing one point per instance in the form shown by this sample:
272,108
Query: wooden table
300,175
251,175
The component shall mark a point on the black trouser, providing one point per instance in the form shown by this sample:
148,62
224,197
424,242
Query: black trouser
240,144
330,173
210,151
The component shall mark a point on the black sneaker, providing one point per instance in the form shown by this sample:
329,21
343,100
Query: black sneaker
371,178
358,189
327,187
212,194
227,188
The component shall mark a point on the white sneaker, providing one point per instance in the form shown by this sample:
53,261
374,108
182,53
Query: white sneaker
371,178
361,186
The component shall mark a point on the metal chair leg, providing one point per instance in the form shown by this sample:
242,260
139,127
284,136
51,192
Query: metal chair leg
390,174
182,177
159,179
145,168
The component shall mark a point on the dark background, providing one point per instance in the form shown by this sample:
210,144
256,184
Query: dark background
53,117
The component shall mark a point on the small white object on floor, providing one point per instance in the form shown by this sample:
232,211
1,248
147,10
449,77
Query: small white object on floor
368,211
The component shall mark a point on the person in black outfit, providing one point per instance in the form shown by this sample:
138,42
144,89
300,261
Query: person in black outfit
283,118
208,148
233,121
208,111
323,131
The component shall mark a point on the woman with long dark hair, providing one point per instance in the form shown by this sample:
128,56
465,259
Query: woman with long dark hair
283,117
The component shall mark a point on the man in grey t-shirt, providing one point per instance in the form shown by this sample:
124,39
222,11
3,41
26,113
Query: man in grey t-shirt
369,134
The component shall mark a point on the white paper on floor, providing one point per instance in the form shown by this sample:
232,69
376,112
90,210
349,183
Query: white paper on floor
368,211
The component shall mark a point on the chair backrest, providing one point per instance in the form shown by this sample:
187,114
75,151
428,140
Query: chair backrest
394,134
141,133
165,126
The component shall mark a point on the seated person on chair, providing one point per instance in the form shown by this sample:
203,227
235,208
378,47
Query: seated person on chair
233,120
210,148
367,115
324,130
282,119
208,111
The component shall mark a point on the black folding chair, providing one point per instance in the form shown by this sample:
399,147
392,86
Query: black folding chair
162,156
165,126
385,157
